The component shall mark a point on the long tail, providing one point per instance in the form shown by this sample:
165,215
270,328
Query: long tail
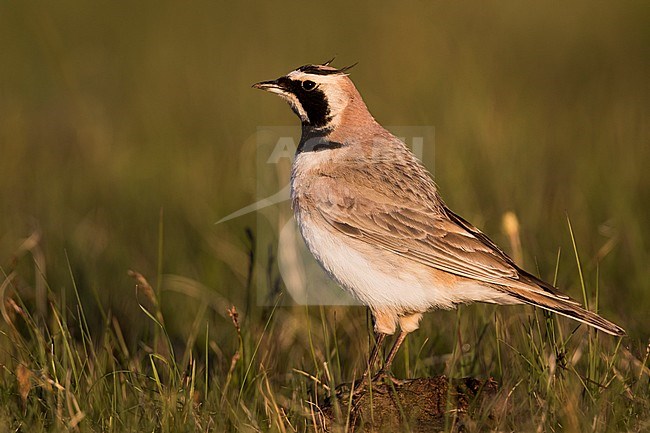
550,299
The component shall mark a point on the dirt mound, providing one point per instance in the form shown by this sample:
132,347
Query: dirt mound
417,405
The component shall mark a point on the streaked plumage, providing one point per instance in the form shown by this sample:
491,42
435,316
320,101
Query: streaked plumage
372,217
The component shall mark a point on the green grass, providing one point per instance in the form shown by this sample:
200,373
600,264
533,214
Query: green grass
127,131
269,368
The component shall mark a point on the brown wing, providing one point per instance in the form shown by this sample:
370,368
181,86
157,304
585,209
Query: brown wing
422,236
401,222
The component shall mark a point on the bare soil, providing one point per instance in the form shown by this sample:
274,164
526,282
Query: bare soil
417,405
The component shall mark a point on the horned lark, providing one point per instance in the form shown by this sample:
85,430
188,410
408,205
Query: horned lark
372,216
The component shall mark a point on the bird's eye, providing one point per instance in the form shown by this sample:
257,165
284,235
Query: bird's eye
308,85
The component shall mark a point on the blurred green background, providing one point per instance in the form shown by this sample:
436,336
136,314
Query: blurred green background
113,111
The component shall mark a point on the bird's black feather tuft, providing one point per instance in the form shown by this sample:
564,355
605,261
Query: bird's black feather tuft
324,69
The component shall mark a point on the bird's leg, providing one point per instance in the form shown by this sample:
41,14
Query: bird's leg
393,351
391,356
372,360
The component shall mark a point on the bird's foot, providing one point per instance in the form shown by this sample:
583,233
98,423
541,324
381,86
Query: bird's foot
360,386
384,375
380,378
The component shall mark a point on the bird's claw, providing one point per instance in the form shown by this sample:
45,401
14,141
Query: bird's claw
382,375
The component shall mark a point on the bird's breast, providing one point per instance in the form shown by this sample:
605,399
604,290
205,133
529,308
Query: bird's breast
374,276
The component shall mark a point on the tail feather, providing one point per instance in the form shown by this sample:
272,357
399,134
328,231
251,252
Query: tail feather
566,307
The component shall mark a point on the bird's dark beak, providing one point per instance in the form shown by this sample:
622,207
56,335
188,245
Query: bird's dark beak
269,86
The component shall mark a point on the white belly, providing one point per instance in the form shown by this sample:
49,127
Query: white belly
376,277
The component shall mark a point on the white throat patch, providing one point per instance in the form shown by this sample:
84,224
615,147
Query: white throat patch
296,106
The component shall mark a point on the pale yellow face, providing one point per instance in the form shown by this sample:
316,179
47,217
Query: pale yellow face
317,94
